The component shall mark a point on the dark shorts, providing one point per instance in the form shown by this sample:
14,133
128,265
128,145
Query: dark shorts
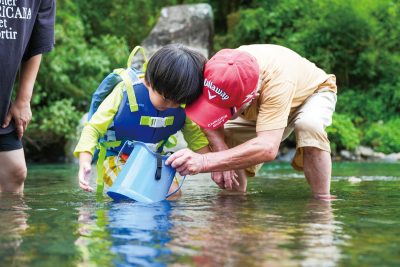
10,142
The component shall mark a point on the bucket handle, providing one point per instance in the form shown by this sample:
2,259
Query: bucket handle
127,142
179,187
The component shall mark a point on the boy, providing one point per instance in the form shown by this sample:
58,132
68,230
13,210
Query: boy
174,76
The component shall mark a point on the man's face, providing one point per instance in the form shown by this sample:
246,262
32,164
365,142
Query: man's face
243,107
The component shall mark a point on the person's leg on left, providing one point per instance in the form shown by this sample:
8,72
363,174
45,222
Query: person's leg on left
13,171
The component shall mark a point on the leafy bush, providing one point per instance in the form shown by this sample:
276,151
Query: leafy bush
384,137
56,121
342,133
51,128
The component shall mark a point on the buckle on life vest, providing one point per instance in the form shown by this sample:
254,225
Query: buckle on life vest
156,122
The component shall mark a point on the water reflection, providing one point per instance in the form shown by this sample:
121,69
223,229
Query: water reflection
126,234
322,235
242,231
13,224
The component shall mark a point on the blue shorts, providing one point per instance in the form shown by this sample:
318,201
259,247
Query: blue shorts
10,141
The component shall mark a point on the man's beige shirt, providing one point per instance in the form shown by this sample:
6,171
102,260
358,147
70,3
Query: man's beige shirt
291,79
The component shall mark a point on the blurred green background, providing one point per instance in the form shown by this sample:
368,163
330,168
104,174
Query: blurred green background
357,40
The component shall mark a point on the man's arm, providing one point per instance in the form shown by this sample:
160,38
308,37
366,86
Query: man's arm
20,109
262,148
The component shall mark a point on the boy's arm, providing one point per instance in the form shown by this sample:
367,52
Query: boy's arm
99,123
20,109
95,128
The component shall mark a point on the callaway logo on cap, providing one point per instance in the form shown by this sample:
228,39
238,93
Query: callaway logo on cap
230,80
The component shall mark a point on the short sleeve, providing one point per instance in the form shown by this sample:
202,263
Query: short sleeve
193,135
275,106
42,37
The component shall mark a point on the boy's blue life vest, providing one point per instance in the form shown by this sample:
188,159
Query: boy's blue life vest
136,120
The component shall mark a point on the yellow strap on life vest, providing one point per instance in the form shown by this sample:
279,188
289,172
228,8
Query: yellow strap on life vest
132,55
102,146
171,142
129,89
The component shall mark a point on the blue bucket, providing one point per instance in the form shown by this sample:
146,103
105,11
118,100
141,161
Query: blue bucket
144,177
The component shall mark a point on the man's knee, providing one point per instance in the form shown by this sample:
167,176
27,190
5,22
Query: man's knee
308,125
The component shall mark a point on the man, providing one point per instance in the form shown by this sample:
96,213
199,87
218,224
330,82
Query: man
26,32
294,94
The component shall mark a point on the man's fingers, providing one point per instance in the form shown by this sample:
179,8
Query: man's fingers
178,162
174,156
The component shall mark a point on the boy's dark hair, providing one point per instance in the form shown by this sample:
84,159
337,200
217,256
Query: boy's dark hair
176,73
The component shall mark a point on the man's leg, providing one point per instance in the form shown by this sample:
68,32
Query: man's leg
317,169
13,171
313,149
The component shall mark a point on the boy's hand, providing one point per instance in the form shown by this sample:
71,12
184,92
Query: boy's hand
84,175
85,168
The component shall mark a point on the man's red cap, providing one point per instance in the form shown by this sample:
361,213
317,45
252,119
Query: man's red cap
230,80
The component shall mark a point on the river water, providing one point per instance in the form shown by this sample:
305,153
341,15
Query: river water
275,224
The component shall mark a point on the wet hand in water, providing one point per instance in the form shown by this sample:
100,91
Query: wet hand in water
225,180
84,175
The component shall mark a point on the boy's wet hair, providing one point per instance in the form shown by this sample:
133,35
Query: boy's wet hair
176,73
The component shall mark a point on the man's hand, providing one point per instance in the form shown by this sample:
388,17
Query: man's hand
21,113
187,162
225,180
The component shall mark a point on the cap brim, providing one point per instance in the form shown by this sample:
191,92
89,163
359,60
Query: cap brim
207,115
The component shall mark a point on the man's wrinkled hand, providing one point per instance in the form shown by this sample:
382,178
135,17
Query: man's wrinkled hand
225,180
187,162
21,113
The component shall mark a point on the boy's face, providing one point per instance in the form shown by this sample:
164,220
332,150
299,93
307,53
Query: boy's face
159,102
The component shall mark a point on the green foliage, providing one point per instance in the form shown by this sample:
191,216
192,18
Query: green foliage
357,40
57,121
384,137
342,133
